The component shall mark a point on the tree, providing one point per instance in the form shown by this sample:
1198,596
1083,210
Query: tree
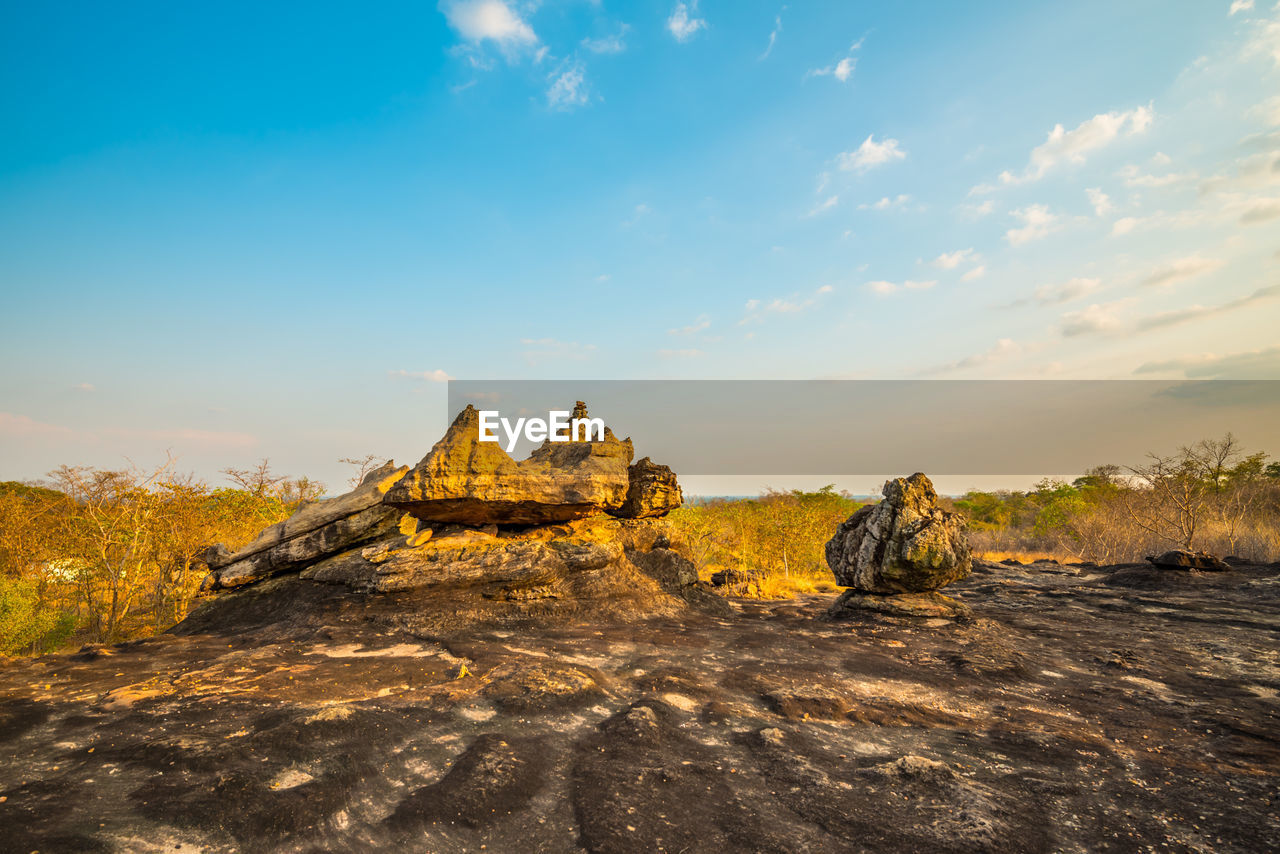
364,465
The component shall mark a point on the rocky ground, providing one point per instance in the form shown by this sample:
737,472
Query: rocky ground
1081,709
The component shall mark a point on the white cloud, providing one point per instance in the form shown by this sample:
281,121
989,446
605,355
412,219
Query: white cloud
773,36
973,275
568,88
1240,6
1260,210
1101,201
692,329
1133,177
539,350
1193,312
824,206
1249,364
842,69
1268,110
1072,146
757,310
1002,350
1097,319
1037,222
1181,270
436,376
870,154
885,203
1069,290
1124,225
978,211
607,44
885,288
951,260
682,25
1265,40
478,20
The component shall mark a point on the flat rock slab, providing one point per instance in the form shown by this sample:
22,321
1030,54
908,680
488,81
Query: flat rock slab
1070,714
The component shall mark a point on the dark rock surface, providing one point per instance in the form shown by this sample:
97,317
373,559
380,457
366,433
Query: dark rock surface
1071,713
1185,559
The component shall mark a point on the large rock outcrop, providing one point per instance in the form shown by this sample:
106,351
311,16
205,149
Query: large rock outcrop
313,532
897,553
476,483
904,544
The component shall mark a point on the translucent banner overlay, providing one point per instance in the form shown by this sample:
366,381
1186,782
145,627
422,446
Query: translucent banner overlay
856,427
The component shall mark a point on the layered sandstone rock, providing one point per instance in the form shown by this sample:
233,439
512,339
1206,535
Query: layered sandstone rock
315,531
652,491
471,482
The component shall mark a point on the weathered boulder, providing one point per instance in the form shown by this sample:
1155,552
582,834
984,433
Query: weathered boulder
313,532
465,480
1186,559
904,544
652,491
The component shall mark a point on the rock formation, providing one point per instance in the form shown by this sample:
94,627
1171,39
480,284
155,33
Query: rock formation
572,522
1186,559
310,534
652,491
904,546
465,480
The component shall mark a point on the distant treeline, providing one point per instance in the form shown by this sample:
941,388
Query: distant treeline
1210,496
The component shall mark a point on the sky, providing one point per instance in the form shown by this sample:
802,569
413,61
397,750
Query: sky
238,231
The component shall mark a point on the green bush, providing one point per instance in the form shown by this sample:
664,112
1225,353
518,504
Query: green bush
26,623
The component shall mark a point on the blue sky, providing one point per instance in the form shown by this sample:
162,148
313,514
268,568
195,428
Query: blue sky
273,229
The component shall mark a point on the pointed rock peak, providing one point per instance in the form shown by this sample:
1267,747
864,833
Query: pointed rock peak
460,450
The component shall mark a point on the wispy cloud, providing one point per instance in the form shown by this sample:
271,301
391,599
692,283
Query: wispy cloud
610,44
539,350
773,35
758,310
1246,365
1109,318
702,323
1181,270
1240,6
841,69
1101,201
870,154
488,20
951,260
885,203
824,206
1003,350
1073,146
683,23
885,288
436,376
568,87
1037,222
